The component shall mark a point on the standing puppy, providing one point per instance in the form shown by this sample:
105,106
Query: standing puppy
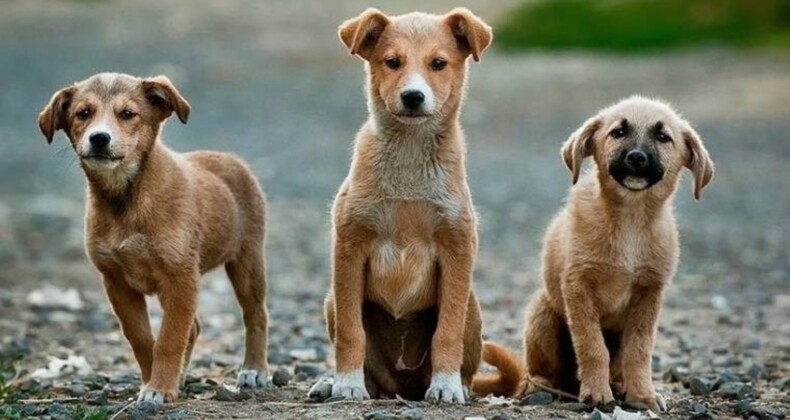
157,220
401,312
607,257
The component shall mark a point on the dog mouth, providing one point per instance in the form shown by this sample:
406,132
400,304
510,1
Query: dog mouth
101,157
411,117
635,183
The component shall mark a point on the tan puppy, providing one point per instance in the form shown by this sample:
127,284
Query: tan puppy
401,312
607,257
156,220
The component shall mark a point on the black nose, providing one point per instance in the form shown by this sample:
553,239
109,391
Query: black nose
636,159
99,139
412,99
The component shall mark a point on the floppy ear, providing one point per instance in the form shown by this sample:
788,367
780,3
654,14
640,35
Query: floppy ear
699,161
361,33
471,33
53,117
579,145
162,94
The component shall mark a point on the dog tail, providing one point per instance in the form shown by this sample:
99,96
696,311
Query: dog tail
508,381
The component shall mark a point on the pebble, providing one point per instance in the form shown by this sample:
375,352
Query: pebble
766,413
735,391
281,376
58,411
724,378
199,388
412,414
501,416
757,372
321,390
223,393
699,386
538,398
599,415
576,407
675,374
620,414
176,415
742,407
96,398
380,415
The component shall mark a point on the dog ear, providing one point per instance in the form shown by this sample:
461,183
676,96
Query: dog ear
699,161
361,33
579,145
54,115
471,33
162,94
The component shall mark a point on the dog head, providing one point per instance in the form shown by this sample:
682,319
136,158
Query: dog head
640,145
112,119
416,63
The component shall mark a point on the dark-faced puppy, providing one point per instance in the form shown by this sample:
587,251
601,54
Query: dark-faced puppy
156,220
607,257
402,314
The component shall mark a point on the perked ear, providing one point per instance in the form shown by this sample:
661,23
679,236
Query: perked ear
699,161
161,93
54,115
579,145
471,33
362,33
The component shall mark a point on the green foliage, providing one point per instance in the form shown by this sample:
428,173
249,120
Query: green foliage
638,25
87,413
8,372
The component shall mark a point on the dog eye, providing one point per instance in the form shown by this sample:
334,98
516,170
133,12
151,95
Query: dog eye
617,133
438,64
126,114
663,138
393,63
83,115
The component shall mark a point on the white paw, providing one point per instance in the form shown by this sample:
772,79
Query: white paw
446,387
251,378
151,396
350,386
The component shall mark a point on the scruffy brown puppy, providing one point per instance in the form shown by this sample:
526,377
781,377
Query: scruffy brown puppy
607,257
157,220
401,312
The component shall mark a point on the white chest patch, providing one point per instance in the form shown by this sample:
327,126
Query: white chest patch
632,247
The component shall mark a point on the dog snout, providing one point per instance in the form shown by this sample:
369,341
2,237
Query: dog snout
412,99
636,159
99,139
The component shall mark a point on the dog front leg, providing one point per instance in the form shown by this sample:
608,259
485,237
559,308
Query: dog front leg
588,342
637,350
179,304
456,261
348,292
132,312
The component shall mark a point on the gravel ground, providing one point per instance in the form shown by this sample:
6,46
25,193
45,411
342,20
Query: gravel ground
270,82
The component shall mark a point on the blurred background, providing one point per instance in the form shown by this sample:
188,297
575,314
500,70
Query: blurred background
269,80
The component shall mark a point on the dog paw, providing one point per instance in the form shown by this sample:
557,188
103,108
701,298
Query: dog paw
596,395
350,386
655,403
252,378
446,387
321,390
154,398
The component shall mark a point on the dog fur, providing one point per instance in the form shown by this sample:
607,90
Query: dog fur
156,220
401,312
607,257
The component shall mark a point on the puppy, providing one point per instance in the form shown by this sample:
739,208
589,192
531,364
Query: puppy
607,257
401,312
157,220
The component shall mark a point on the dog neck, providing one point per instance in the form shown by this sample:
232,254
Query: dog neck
623,207
117,189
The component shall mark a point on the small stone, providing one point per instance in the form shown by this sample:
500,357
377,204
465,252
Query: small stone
148,407
699,386
281,376
598,415
224,393
620,414
735,391
176,415
501,416
742,407
77,389
310,370
300,377
675,374
322,389
766,413
783,384
198,388
757,372
723,378
538,398
380,415
58,411
412,414
96,398
191,379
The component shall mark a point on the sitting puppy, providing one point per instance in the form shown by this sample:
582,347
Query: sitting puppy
157,220
607,257
401,313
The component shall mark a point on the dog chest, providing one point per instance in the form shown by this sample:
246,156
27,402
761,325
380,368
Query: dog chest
135,256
